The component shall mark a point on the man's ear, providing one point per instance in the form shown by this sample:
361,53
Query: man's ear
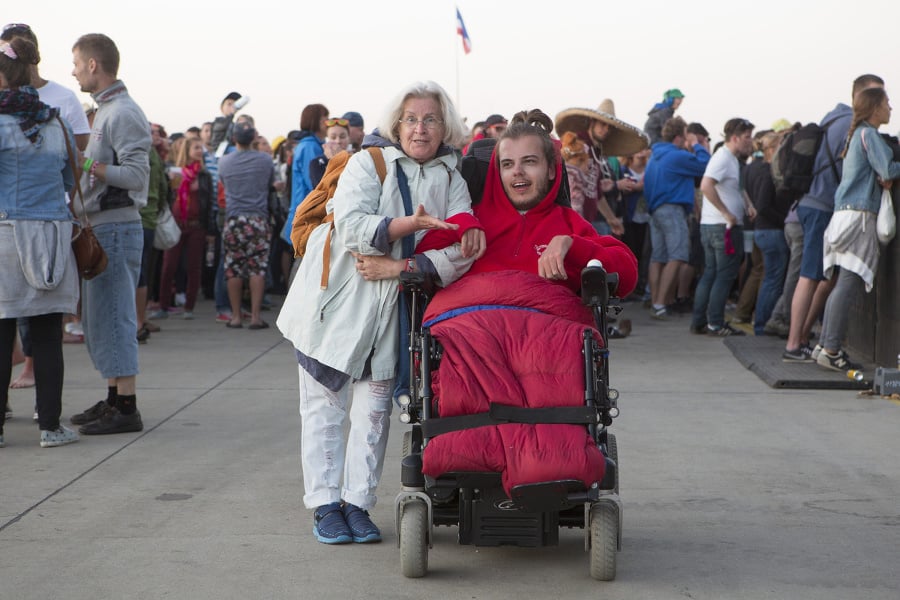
552,173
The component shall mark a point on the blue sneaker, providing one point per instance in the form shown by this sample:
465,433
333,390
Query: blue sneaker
330,526
361,526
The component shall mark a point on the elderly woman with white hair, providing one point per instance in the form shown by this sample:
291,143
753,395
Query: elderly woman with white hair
345,326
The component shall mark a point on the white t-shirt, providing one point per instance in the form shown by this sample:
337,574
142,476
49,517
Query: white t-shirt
724,168
70,109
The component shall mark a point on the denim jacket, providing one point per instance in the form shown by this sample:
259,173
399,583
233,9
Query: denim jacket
34,178
864,164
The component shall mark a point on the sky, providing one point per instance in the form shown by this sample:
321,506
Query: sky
762,60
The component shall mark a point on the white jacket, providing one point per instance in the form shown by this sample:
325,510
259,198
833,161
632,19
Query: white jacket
343,325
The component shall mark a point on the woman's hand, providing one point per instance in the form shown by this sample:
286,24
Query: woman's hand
886,184
473,243
331,148
422,220
552,263
376,268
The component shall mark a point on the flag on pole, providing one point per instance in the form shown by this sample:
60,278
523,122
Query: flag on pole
461,30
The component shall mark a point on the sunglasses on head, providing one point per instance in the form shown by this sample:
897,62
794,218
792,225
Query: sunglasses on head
333,122
21,26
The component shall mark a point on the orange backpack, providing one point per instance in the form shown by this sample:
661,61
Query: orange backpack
311,212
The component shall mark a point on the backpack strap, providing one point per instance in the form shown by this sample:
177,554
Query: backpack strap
381,169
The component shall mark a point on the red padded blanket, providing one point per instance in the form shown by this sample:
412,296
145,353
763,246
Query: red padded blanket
511,337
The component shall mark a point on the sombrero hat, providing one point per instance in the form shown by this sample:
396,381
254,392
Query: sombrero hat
623,139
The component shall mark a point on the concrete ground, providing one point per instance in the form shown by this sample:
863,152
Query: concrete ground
730,489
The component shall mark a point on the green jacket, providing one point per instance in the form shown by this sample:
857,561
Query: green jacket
159,189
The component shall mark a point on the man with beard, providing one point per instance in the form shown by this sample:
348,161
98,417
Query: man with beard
606,136
721,228
115,182
525,227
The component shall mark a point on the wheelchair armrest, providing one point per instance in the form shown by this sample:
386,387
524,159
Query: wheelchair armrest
598,286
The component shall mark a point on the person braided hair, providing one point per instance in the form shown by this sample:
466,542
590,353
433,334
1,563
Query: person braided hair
865,103
533,122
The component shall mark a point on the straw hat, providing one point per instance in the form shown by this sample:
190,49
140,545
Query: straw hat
623,139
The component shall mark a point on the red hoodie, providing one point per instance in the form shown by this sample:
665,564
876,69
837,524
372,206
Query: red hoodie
516,241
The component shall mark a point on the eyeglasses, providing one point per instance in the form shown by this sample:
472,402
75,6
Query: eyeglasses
333,122
428,122
21,26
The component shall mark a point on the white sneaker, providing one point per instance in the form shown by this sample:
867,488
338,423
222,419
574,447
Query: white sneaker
188,315
180,299
60,437
815,352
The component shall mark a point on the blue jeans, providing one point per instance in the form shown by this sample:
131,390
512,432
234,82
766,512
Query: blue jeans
719,273
107,301
775,259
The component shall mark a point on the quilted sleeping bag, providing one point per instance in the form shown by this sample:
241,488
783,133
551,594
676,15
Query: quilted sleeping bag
511,337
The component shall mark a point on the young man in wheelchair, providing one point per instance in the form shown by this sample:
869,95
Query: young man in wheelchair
511,329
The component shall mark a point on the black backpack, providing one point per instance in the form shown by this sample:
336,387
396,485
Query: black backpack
793,165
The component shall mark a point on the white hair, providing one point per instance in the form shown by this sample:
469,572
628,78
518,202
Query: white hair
455,134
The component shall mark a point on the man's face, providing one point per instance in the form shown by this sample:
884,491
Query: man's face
495,131
524,171
743,143
676,102
356,135
206,133
84,71
228,107
599,131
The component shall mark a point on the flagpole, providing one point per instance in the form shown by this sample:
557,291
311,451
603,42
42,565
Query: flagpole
458,105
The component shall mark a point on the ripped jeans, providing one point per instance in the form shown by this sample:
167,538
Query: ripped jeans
326,456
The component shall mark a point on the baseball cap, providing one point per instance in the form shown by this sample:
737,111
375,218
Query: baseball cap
355,119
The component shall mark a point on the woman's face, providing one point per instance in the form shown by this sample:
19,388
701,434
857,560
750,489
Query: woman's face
338,135
883,112
195,154
421,128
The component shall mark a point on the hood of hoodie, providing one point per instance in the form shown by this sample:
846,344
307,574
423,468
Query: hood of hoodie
660,105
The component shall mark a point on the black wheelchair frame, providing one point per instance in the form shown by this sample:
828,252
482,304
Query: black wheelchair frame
476,501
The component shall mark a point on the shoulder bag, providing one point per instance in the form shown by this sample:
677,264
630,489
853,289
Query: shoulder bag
167,232
89,254
886,221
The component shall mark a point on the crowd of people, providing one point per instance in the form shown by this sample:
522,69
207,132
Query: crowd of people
688,228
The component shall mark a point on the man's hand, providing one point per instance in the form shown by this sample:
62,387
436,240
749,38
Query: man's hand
376,268
473,243
552,263
606,185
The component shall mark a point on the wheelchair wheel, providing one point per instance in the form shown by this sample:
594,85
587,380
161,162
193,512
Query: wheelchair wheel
414,538
604,540
613,452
